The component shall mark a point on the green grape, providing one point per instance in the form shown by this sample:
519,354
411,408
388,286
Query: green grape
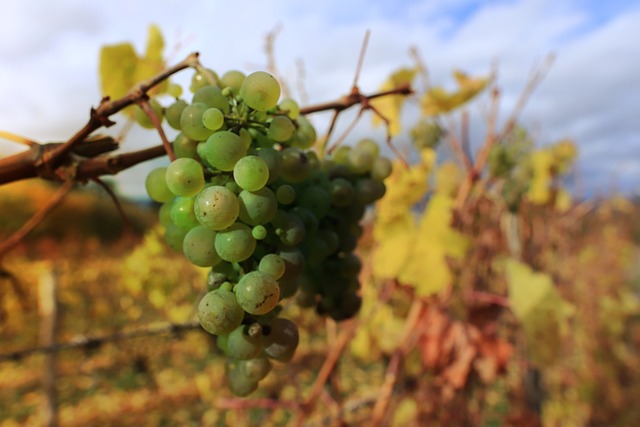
199,246
156,185
203,78
369,190
381,168
289,228
233,79
182,213
294,262
257,207
259,232
221,342
185,177
240,345
223,149
255,369
219,311
341,155
282,340
272,158
164,213
295,165
174,236
185,147
141,117
285,194
246,138
342,192
315,250
281,128
216,207
305,135
427,134
191,122
239,383
272,264
350,265
235,243
307,217
212,97
369,146
290,107
257,293
251,173
212,118
260,91
317,200
174,112
174,90
330,239
359,161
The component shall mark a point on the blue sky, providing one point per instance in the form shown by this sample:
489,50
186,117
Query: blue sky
49,50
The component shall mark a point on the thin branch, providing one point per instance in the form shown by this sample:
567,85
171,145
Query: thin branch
116,202
391,375
534,80
93,342
422,67
28,226
363,51
17,138
146,107
352,99
240,403
100,117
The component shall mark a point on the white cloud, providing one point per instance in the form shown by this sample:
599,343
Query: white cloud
48,57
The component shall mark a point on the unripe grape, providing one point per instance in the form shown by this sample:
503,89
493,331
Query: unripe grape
219,312
216,207
185,177
260,91
257,293
156,185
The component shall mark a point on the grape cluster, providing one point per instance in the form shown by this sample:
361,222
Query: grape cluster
247,198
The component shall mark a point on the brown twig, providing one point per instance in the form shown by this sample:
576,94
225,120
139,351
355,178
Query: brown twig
391,374
93,342
115,200
240,403
32,222
146,107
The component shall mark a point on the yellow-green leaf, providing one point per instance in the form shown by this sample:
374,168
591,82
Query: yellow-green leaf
526,288
155,44
435,241
437,100
541,162
391,106
540,309
117,69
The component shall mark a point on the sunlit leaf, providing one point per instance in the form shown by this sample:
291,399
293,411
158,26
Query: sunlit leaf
391,106
540,309
539,191
438,100
117,69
